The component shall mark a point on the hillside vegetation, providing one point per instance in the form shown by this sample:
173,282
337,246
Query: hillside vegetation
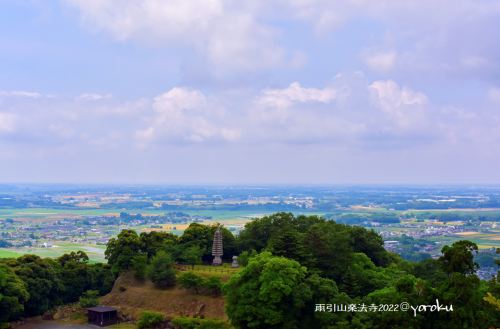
143,295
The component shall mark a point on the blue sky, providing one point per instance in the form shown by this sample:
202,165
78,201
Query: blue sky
217,91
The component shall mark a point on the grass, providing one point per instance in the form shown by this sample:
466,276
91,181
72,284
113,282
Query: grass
78,318
6,253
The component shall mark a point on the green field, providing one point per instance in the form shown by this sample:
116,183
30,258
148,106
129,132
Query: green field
95,252
6,253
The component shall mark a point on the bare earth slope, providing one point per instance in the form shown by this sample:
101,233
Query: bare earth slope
144,296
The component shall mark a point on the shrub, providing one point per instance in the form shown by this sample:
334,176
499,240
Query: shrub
122,288
140,264
185,323
161,271
243,259
150,319
89,299
191,281
193,255
213,284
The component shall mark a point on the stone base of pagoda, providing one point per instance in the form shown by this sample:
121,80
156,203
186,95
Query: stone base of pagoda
217,261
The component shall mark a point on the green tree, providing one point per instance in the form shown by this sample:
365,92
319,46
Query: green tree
150,320
428,269
102,278
191,281
140,264
13,295
458,258
192,255
120,252
151,243
329,250
288,245
41,281
79,256
259,231
350,283
90,298
272,292
75,279
213,284
161,270
243,259
203,236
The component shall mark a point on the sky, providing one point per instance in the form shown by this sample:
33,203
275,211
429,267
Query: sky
250,92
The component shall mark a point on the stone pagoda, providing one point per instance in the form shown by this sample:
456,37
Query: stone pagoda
217,247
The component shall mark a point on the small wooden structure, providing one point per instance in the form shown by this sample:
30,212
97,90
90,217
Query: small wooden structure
102,316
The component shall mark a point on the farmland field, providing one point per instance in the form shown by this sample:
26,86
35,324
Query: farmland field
6,253
95,252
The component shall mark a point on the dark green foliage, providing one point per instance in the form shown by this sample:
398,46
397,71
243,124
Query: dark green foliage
287,244
13,294
161,270
150,319
428,269
213,284
75,278
34,285
370,243
120,252
89,299
329,248
458,258
102,278
151,243
243,259
350,283
273,292
192,255
140,264
41,281
79,256
258,232
122,288
203,236
191,281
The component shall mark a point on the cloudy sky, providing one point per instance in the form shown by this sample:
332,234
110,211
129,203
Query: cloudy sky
223,91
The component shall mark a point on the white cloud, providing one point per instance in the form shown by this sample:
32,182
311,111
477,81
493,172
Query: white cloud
285,97
20,93
185,115
391,96
245,35
92,97
381,62
229,33
349,111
